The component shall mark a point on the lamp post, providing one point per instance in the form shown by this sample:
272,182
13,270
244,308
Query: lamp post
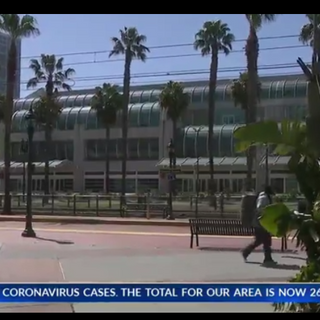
23,151
28,231
172,165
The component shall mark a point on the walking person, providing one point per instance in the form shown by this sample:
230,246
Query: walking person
261,236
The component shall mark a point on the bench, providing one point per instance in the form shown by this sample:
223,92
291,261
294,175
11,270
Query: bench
222,227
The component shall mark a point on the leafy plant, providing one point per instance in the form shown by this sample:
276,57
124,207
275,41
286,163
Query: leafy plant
291,139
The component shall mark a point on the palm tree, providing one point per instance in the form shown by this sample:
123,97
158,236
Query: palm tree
107,102
214,37
49,71
17,28
307,32
174,101
252,52
239,92
131,45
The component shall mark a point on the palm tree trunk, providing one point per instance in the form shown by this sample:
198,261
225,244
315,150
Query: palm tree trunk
126,92
107,160
248,155
252,52
47,136
11,82
211,112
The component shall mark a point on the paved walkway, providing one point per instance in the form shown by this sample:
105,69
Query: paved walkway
62,255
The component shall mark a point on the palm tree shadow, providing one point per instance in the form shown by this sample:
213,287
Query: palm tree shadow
56,241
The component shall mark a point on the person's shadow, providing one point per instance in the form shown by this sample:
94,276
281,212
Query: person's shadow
56,241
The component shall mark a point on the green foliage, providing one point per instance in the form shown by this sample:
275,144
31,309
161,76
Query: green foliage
107,102
291,139
49,70
174,100
46,112
214,36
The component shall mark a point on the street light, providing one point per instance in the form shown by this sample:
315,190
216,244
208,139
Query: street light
172,165
28,231
23,151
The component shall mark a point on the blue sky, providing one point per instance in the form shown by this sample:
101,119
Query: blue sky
63,34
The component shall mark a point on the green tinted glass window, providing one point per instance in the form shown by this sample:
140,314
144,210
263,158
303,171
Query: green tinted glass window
155,115
154,148
134,115
133,149
301,89
92,121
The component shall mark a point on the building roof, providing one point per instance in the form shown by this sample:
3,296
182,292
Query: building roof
140,115
287,88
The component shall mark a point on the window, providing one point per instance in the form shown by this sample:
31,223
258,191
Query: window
154,148
91,149
143,149
133,149
228,119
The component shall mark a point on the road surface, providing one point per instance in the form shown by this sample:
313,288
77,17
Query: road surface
111,253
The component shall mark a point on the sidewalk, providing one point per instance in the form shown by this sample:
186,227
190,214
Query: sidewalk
96,220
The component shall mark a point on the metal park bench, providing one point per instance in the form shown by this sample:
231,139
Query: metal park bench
222,227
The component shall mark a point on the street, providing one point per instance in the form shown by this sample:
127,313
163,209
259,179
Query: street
113,253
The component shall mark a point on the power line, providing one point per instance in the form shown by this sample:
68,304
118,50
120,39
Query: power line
164,46
193,72
189,55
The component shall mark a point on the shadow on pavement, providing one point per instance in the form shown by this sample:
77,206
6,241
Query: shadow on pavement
235,249
281,266
294,257
56,241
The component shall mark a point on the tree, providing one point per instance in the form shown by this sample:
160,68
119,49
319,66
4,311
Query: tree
107,102
174,101
291,139
131,45
17,28
252,53
239,92
307,32
49,70
214,37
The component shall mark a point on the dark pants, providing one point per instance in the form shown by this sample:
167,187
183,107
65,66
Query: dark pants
261,237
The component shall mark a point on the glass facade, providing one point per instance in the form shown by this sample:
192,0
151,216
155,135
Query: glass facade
269,90
193,142
140,115
59,150
138,149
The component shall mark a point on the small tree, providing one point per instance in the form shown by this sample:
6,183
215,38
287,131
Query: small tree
174,101
291,139
107,102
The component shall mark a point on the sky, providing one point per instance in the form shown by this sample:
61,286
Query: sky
84,40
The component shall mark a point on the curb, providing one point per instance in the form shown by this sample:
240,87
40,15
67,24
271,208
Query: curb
95,221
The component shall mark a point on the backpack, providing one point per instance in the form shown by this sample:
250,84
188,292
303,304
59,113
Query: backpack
248,208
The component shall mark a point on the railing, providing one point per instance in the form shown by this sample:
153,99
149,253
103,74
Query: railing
148,206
